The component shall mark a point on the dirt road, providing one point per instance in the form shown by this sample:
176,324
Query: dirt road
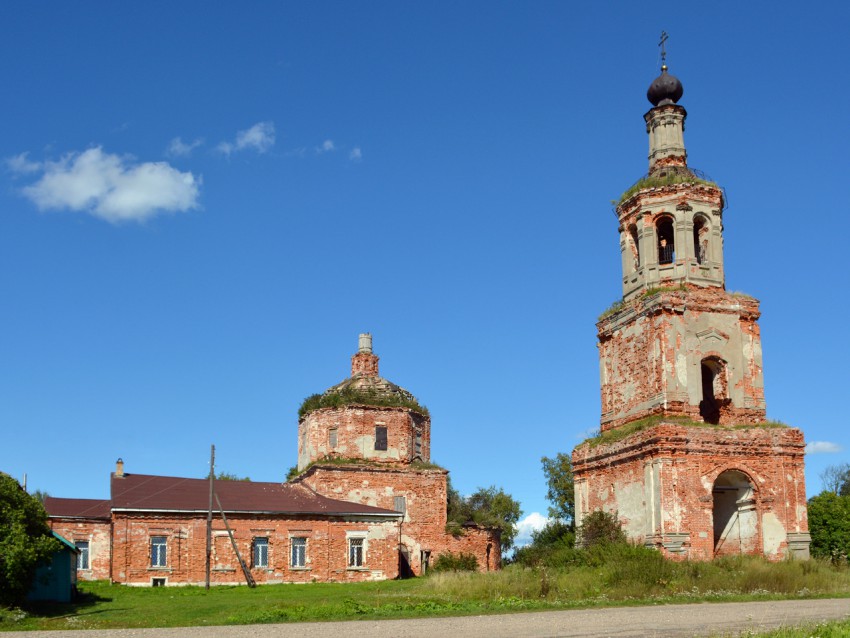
669,621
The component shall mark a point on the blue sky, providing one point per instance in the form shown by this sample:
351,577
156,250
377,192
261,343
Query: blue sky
203,204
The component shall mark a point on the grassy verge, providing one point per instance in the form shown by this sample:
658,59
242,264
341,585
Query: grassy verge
838,629
634,576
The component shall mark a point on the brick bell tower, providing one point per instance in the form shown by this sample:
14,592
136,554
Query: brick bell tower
685,456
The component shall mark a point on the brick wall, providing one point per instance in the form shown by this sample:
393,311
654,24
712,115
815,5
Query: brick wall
96,533
326,549
423,529
408,435
650,355
667,482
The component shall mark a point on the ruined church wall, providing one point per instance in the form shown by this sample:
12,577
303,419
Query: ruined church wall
424,525
660,483
650,356
408,435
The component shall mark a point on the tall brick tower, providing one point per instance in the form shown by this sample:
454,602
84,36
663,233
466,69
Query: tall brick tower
685,456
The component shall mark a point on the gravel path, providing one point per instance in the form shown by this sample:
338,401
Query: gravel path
669,621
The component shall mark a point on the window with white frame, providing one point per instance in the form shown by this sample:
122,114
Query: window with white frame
261,551
298,553
83,556
159,551
356,551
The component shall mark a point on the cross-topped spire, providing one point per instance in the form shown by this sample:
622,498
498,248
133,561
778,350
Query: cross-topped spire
664,37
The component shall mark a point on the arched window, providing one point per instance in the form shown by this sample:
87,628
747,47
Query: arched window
635,245
666,246
700,240
714,390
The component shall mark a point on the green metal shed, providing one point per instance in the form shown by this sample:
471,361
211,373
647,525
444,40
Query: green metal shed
57,580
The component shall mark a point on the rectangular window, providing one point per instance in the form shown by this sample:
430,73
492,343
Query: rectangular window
380,437
157,582
417,450
298,558
355,552
83,556
400,504
159,551
261,551
332,438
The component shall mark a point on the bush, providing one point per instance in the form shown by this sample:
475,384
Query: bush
600,528
461,562
829,525
25,540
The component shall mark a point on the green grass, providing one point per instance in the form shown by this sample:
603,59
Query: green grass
627,429
836,629
622,575
349,396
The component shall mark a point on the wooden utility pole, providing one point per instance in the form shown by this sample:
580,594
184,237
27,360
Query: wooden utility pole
209,515
248,578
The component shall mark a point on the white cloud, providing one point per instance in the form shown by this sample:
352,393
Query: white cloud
260,137
822,447
178,148
326,147
112,187
531,523
356,154
21,164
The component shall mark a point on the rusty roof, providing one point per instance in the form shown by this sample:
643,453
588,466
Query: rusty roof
78,507
163,493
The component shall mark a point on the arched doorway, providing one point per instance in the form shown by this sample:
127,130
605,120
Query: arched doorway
734,513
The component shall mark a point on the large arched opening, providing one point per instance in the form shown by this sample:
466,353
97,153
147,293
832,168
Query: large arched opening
735,515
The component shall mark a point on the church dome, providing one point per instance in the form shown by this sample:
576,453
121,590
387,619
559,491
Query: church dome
364,387
665,89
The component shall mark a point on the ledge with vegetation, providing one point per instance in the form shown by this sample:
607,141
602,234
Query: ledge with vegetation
627,429
349,397
656,181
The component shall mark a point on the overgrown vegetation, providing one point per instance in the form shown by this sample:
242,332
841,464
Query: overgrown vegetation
654,181
25,540
451,562
612,309
487,506
350,396
829,516
623,431
649,292
342,460
605,575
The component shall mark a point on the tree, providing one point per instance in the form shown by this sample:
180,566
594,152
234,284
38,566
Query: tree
836,479
25,540
229,476
487,506
599,528
829,525
561,493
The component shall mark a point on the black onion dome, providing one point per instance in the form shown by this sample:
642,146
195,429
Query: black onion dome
665,89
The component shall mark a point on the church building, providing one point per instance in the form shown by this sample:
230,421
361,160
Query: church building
366,504
685,457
